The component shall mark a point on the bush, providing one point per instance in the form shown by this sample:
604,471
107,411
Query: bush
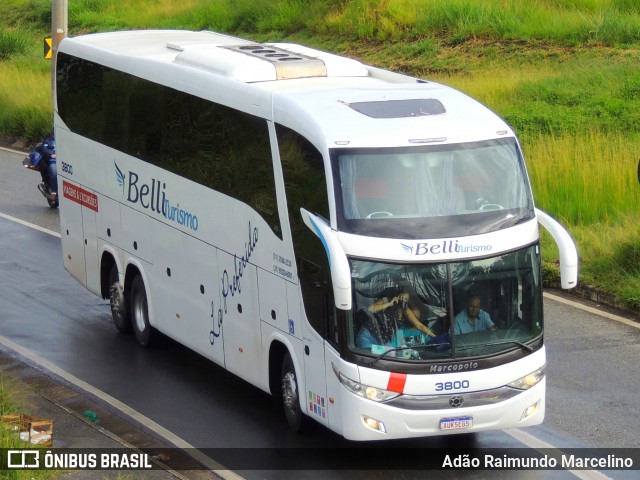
13,43
30,123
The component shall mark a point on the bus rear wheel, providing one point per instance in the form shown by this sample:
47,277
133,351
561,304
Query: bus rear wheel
291,395
140,312
121,316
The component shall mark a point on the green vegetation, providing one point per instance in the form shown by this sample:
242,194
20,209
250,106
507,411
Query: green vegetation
564,73
12,396
13,401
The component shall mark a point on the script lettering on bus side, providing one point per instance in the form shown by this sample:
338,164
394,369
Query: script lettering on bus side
232,284
217,326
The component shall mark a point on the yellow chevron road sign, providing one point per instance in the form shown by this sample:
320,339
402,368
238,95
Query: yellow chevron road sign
48,48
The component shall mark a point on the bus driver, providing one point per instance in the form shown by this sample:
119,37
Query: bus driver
473,319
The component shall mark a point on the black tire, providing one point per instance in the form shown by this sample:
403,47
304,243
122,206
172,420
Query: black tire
43,188
53,176
120,314
139,312
291,396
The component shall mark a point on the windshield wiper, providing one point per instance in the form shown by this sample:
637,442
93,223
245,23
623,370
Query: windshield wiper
412,347
397,349
527,348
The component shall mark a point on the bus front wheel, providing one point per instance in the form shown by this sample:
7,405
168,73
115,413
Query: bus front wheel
140,312
291,395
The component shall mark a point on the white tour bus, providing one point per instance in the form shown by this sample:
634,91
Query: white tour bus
319,227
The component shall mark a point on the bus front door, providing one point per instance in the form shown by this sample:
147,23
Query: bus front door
313,293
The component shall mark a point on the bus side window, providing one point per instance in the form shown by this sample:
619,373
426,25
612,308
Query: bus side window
306,187
216,146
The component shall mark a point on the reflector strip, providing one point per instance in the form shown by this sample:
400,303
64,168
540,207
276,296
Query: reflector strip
396,382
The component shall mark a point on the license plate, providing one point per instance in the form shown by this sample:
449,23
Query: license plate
456,423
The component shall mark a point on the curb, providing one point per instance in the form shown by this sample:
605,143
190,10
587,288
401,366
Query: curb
66,405
595,295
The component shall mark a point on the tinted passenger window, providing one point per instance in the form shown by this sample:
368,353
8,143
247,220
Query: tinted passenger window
211,144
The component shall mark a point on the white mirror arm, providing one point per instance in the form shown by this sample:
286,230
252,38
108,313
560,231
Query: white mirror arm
566,247
338,263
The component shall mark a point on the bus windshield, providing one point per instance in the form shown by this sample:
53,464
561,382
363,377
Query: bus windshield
422,312
431,191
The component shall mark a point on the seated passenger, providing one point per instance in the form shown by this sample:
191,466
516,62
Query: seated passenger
387,320
473,319
375,330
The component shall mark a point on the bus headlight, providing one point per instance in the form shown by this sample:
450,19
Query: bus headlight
372,393
528,381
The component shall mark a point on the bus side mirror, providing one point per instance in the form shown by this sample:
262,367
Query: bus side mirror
338,263
566,247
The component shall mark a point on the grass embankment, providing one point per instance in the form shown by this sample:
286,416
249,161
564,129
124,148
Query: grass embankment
564,73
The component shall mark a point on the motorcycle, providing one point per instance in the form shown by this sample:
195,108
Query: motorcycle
43,160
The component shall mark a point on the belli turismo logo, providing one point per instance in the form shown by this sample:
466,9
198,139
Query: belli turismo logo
152,195
443,247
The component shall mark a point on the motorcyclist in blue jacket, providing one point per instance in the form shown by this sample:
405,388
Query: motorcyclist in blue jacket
48,168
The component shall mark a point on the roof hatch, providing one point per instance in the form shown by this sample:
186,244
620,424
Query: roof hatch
418,107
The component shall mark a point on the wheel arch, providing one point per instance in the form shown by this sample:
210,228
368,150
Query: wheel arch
107,261
277,352
278,348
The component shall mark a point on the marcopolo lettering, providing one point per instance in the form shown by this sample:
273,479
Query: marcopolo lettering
449,246
454,367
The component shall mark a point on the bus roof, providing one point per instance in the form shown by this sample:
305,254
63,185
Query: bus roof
332,100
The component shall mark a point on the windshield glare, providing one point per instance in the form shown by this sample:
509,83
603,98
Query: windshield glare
379,186
449,310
